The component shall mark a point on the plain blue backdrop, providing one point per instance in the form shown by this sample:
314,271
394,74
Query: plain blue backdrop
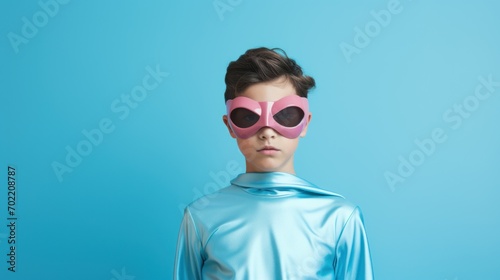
111,113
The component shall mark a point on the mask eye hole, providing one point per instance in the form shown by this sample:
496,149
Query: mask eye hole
290,116
243,118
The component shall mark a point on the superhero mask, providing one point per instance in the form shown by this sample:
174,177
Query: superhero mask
287,116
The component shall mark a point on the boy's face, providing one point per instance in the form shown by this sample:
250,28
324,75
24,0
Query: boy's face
267,150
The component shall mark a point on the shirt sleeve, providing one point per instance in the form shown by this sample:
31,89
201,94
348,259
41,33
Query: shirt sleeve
188,257
352,258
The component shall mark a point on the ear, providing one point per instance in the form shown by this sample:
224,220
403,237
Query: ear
304,131
226,122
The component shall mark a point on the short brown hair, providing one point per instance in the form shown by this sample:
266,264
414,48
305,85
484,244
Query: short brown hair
263,65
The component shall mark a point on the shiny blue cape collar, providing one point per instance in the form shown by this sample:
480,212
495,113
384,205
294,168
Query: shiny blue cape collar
279,181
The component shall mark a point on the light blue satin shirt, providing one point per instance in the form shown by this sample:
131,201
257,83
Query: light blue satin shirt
274,225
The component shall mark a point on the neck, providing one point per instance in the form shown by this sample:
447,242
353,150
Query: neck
250,168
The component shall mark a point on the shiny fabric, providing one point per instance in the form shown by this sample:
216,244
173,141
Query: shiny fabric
273,225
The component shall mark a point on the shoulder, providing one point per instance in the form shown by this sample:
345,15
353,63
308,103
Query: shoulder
213,200
337,200
341,207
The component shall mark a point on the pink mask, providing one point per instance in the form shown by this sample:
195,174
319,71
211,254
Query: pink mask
288,115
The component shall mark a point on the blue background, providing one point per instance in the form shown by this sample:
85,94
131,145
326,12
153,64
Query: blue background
116,214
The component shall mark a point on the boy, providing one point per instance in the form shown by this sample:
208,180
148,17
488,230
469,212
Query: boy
269,223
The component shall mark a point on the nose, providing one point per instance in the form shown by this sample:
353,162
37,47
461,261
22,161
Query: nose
267,133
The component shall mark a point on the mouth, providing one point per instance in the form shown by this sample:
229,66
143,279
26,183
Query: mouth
268,149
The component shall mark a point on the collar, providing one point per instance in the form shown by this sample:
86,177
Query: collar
277,183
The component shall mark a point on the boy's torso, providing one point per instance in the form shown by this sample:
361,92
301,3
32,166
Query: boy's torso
254,233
